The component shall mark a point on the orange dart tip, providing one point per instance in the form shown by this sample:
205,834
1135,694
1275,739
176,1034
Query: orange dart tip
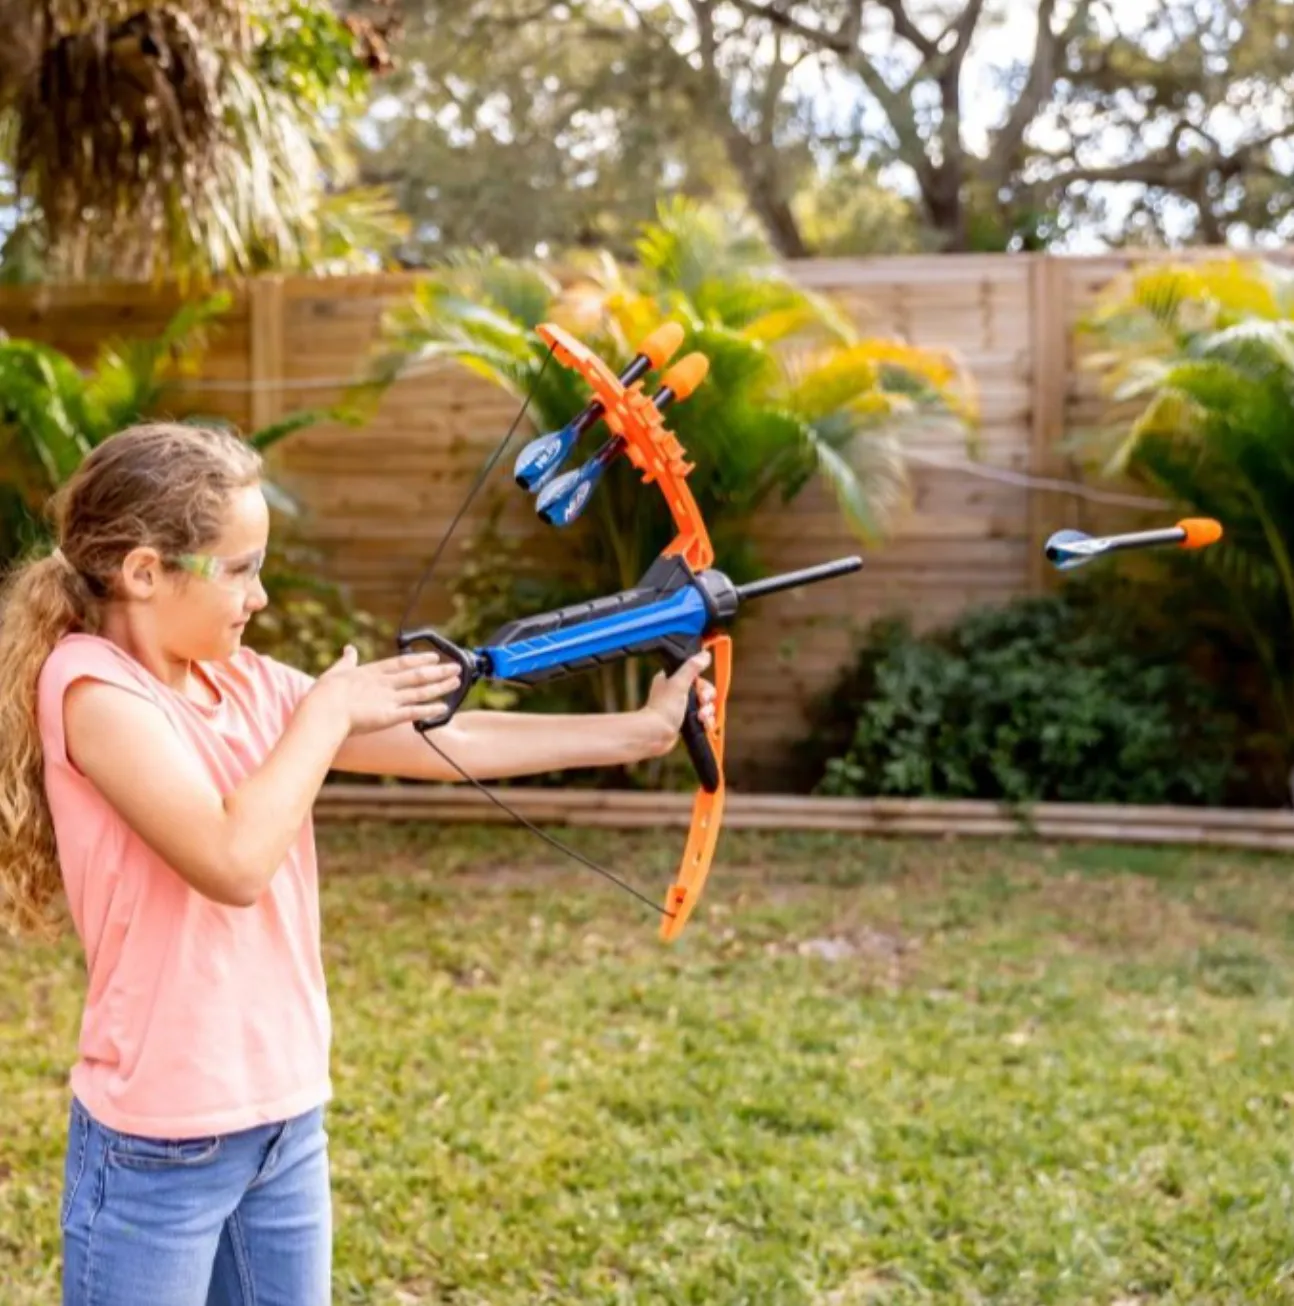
686,375
1200,532
661,345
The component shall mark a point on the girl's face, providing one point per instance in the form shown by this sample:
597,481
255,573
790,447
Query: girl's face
199,613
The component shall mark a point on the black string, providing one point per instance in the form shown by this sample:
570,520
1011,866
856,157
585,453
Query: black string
404,623
471,494
544,835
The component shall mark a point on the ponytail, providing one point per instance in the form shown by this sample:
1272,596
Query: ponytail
40,602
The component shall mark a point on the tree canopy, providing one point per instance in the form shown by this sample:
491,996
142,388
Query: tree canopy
149,137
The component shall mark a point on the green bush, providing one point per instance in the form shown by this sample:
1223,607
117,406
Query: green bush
1045,699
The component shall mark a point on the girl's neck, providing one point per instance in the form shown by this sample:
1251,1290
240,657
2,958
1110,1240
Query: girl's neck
180,674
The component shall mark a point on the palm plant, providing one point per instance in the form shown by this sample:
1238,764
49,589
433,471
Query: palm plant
52,414
1199,363
792,393
152,138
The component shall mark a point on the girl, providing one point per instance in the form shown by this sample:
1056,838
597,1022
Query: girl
161,775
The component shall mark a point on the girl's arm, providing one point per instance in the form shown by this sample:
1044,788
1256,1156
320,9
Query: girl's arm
228,846
497,745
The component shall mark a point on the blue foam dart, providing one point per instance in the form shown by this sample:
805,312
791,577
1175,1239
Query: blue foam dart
1068,549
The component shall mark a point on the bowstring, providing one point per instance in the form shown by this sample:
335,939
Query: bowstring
521,820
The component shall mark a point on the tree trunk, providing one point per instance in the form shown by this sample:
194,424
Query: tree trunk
941,196
758,171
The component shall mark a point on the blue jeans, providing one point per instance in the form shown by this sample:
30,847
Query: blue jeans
241,1219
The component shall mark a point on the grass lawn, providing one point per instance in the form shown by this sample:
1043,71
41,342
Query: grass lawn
869,1072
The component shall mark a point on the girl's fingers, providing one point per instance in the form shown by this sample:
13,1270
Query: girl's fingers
406,664
440,674
426,693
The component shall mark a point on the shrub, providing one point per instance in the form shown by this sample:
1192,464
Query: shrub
1039,700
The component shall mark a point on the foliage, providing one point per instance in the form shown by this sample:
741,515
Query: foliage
872,1071
52,414
1198,362
792,393
507,127
163,139
1043,699
542,124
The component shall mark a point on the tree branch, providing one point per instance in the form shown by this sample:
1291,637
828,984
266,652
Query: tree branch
1041,80
909,31
843,42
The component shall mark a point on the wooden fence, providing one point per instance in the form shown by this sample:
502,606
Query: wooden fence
379,497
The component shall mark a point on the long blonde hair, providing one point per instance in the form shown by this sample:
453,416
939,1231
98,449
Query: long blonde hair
159,485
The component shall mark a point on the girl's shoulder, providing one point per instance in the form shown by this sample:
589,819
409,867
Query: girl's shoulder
79,654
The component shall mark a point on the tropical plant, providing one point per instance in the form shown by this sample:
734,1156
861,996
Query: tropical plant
52,414
152,138
792,393
1198,361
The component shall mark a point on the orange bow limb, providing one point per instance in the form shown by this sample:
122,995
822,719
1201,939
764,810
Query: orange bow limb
707,808
649,444
658,455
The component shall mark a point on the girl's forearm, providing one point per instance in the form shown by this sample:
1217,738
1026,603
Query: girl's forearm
266,811
499,745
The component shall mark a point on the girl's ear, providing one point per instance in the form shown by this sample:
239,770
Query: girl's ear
141,573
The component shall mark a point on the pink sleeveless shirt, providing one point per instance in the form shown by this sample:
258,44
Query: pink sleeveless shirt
199,1018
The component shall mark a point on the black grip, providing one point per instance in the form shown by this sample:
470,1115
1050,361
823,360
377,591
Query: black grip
408,643
704,761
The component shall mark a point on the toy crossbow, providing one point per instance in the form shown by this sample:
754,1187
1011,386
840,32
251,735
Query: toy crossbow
678,608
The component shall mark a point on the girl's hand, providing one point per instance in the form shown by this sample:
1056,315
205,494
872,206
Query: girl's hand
394,691
668,697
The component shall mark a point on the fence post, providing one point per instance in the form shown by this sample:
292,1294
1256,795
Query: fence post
1049,387
265,322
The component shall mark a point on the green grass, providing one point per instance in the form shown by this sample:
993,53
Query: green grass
869,1072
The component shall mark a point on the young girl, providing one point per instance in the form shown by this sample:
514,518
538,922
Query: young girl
161,776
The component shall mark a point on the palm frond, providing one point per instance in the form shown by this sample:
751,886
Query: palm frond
791,394
165,139
868,478
266,437
1262,349
42,398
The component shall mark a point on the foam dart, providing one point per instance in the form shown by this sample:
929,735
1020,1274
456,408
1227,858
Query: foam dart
1068,549
537,462
563,499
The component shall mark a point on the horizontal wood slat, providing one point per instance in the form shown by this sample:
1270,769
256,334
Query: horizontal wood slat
1259,830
